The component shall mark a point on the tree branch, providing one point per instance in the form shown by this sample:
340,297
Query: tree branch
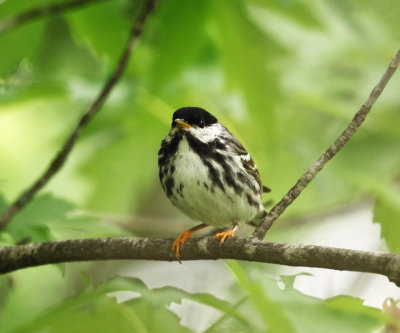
62,155
21,256
42,11
339,143
251,249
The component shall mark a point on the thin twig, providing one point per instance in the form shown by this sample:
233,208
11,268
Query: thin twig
42,11
339,143
21,256
62,155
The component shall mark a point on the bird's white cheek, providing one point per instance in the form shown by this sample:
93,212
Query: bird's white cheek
208,133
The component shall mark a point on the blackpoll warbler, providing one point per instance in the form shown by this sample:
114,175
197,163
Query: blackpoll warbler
208,175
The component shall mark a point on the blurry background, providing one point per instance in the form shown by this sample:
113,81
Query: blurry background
284,76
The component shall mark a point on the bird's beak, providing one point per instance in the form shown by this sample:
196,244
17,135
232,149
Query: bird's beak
181,124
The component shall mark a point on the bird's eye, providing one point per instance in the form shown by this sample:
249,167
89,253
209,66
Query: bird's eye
201,124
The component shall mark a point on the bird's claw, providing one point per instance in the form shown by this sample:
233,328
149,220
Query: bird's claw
179,241
224,235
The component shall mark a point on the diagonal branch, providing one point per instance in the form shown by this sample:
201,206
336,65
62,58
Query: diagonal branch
21,256
42,11
339,143
62,155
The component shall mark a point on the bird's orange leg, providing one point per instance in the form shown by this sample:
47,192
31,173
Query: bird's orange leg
183,237
226,234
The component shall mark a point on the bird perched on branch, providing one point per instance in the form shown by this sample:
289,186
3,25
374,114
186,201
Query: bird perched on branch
208,175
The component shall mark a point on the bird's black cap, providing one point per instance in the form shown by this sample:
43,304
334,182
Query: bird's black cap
194,116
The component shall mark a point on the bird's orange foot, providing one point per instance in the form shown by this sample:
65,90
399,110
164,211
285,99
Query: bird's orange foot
182,238
224,235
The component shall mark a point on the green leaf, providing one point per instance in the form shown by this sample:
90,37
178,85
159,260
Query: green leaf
25,294
85,311
387,215
273,314
294,10
28,38
179,41
387,12
36,93
287,306
354,307
48,218
245,52
88,315
6,239
122,171
104,27
5,287
387,207
22,42
57,54
12,8
310,314
161,297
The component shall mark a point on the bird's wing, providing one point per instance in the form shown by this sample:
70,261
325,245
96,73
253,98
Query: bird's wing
247,161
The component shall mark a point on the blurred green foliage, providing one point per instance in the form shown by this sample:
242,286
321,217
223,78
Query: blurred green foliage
284,76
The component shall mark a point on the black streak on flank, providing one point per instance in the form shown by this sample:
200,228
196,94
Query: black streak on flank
180,189
251,201
163,172
231,181
214,175
169,186
252,170
245,180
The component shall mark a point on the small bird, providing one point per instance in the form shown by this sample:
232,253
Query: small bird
208,175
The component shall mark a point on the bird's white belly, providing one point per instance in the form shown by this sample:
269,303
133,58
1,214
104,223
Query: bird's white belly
200,199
